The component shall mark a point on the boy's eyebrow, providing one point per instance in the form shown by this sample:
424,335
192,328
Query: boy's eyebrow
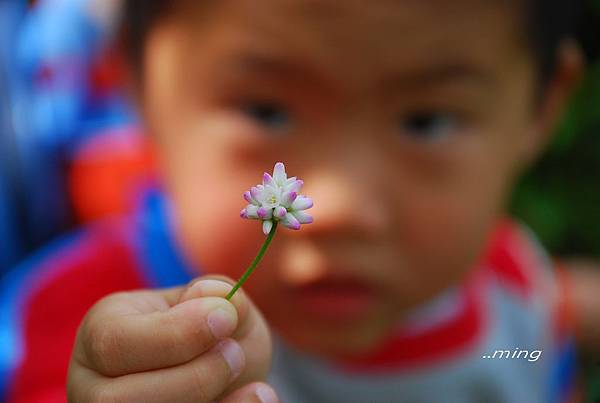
257,63
263,64
438,74
260,64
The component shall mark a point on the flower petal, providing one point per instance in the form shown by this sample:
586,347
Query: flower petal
279,212
256,193
302,203
264,213
279,174
268,180
294,186
291,222
243,213
302,217
288,198
266,227
251,211
248,197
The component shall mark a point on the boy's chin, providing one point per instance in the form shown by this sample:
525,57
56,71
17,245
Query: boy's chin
336,342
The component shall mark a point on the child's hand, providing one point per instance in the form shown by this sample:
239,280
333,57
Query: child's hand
185,344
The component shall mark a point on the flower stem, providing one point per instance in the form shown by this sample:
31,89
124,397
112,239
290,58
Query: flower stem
254,263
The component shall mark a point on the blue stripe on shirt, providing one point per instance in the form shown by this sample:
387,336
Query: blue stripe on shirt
157,249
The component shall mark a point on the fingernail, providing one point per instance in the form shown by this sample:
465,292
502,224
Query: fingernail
221,323
265,394
233,355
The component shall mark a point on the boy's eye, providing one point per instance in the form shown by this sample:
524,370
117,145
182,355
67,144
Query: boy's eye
429,126
271,115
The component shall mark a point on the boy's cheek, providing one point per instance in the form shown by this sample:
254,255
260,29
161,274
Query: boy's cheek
228,251
441,237
214,238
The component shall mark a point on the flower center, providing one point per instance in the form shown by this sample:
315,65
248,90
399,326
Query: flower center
271,198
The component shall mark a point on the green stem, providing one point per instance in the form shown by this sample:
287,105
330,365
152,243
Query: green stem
254,263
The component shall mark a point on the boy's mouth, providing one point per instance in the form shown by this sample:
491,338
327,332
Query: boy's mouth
335,299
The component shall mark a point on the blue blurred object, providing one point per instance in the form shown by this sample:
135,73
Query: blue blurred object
49,52
11,237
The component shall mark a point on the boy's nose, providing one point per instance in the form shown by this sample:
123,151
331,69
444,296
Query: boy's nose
346,208
348,205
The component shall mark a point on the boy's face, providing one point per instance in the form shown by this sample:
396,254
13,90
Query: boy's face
407,121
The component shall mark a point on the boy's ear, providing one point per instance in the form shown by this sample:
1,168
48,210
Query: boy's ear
555,96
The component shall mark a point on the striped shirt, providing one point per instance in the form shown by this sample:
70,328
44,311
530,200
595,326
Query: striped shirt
474,343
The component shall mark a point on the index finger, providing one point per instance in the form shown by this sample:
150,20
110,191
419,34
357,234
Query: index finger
114,341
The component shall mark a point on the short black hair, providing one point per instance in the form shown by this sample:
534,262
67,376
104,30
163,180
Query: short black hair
548,22
138,17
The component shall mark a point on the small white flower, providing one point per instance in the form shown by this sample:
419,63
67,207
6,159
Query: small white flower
278,199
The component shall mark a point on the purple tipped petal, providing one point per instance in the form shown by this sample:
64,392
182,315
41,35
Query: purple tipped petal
302,203
279,174
264,213
268,180
291,222
302,217
266,227
288,198
279,212
248,197
244,213
255,193
294,186
251,211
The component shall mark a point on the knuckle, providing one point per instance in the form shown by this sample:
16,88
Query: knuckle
176,332
210,377
200,380
102,347
185,329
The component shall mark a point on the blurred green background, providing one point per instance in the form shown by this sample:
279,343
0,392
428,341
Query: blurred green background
560,197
